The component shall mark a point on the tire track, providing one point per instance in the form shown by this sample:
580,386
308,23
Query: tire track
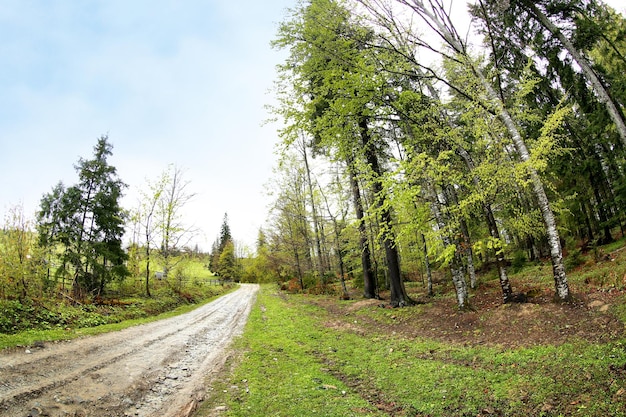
151,369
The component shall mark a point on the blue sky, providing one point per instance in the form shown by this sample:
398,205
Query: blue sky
170,82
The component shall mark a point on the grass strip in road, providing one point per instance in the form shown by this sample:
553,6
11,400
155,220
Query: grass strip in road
298,360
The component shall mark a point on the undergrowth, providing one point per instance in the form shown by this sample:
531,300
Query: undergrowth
22,323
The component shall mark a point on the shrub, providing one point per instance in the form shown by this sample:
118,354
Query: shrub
574,258
518,261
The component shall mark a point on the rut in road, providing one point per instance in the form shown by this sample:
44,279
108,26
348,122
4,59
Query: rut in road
156,369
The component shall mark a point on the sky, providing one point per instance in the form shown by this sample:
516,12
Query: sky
180,82
169,81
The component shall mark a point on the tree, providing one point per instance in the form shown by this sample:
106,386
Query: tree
88,222
146,214
434,14
544,13
329,66
173,232
291,227
220,245
21,266
228,266
225,235
257,267
223,259
554,38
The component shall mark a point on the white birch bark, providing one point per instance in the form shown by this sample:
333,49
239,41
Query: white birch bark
456,268
437,18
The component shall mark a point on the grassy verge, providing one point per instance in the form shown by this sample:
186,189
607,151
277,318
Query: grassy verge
295,359
278,369
145,314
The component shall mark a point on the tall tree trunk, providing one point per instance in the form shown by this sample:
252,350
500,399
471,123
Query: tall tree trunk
369,280
338,247
439,20
492,225
600,208
429,275
469,253
296,255
456,267
399,296
342,273
466,244
316,228
148,270
554,241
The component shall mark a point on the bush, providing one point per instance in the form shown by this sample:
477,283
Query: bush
519,261
574,258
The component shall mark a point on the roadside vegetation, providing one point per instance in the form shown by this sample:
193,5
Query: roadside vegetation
304,354
66,322
68,270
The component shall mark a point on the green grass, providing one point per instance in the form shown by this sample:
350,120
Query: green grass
293,364
28,337
198,270
281,372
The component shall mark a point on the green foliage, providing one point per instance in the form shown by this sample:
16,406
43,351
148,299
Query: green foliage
18,317
228,265
88,222
518,260
24,323
258,268
574,258
22,264
223,260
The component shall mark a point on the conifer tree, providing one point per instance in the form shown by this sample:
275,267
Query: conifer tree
88,222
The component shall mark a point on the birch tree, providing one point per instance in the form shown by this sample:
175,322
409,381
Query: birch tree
433,13
173,231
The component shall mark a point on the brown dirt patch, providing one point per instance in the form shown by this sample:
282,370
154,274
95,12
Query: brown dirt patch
539,321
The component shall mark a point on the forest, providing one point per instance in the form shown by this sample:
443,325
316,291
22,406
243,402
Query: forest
474,172
411,149
413,146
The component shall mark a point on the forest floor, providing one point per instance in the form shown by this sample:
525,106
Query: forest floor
596,313
539,357
591,317
155,369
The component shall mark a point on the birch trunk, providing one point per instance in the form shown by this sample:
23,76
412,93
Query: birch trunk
446,31
429,275
316,228
456,268
561,285
505,284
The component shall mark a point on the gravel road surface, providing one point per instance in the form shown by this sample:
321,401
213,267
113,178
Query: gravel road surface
156,369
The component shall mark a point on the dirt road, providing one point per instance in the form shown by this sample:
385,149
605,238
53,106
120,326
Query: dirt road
156,369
